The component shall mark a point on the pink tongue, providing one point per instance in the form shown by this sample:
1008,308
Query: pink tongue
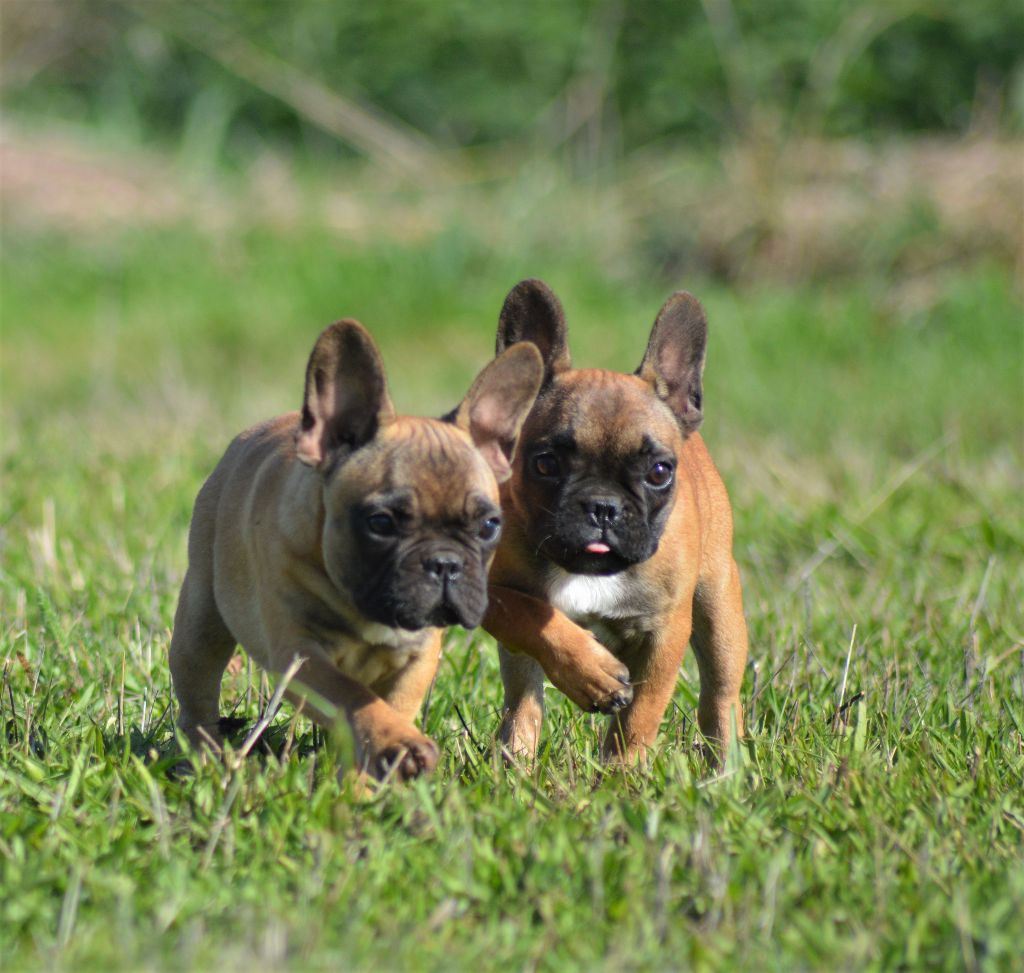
596,547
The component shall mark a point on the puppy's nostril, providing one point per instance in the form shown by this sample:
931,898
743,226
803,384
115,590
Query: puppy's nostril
446,568
601,513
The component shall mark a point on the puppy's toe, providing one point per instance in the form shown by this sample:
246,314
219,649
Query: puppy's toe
408,759
616,689
386,760
621,699
616,701
421,758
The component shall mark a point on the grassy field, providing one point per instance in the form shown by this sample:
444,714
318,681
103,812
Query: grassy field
875,816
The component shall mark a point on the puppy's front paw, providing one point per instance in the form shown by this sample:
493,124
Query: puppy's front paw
594,679
406,759
391,748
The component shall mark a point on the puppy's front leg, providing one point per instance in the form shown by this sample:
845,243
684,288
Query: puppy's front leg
386,741
571,657
655,667
523,714
405,690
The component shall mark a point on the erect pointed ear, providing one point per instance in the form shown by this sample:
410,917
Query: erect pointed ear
346,395
532,313
498,403
674,360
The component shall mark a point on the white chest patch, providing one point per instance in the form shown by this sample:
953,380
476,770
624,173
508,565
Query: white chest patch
372,664
373,633
585,595
376,652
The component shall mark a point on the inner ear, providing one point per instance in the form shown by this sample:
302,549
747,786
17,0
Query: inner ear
498,403
674,361
532,312
346,397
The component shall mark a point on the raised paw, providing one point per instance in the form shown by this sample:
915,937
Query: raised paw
593,679
615,701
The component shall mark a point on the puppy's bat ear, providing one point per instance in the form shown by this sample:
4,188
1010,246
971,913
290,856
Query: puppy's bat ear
532,313
346,397
674,360
498,403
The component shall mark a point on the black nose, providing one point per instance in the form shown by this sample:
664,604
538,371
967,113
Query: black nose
445,568
602,511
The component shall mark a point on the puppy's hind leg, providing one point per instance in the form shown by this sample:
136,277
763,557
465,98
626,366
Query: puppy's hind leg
201,647
720,645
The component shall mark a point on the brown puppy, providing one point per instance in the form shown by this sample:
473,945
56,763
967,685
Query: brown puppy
346,536
617,544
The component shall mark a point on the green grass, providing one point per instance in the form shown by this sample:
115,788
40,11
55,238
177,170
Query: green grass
874,458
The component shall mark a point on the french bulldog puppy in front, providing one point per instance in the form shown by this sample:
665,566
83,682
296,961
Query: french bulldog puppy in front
617,545
348,536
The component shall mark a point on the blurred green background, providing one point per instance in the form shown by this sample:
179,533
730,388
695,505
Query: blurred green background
461,74
190,182
718,137
190,191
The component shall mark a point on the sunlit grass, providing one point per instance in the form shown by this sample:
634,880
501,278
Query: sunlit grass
875,816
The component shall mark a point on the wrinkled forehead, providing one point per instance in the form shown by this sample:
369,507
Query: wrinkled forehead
432,464
603,410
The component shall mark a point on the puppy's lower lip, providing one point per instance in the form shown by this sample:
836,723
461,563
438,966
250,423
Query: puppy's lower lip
597,547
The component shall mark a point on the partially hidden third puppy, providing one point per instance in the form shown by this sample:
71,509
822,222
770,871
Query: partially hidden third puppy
617,545
346,536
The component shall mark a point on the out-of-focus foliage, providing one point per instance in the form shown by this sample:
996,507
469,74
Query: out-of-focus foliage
612,76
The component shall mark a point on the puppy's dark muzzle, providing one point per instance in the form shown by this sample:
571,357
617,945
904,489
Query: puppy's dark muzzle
446,615
445,568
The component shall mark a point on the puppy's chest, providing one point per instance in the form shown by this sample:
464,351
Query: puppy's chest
370,655
371,664
615,608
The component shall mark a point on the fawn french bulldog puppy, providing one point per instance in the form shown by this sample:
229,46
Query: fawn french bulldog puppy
616,549
348,536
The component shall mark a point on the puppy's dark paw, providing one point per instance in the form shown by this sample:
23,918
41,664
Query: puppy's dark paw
615,701
406,759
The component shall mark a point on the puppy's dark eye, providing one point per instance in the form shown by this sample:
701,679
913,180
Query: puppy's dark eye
381,524
489,528
546,464
659,475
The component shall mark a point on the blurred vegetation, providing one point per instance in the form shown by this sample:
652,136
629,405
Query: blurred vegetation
600,78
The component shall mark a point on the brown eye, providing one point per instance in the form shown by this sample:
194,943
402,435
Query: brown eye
382,525
546,464
489,528
660,475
